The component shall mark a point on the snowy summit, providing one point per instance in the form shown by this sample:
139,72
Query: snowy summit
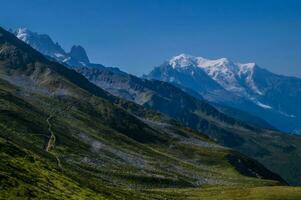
225,72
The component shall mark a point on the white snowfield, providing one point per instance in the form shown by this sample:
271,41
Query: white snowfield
233,77
22,34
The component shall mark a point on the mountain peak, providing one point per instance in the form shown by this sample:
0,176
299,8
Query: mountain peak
22,33
79,53
182,55
22,30
231,76
182,60
44,44
186,60
25,34
41,42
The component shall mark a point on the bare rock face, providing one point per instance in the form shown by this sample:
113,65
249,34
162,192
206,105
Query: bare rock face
79,53
43,43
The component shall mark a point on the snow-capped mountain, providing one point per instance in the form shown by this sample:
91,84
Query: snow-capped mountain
44,44
245,86
227,74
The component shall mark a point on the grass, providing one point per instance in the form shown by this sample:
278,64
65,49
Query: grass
25,175
111,171
236,193
101,159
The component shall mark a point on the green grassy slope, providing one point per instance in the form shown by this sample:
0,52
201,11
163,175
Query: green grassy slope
93,155
235,193
25,174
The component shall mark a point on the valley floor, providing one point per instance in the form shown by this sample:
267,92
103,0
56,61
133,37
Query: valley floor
236,193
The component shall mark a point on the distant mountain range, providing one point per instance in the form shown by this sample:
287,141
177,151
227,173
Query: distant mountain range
78,58
244,91
163,97
247,87
42,42
242,131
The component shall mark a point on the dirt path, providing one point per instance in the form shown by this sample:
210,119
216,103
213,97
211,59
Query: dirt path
51,141
52,138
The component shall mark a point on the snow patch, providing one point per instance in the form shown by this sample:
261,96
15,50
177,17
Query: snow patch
23,34
287,115
265,106
247,70
83,64
59,55
66,59
182,60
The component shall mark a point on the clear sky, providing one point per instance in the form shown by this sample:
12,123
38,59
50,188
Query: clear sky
136,35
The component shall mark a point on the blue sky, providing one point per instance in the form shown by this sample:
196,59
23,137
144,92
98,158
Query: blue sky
136,35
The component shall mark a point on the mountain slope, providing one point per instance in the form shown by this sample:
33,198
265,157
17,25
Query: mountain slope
243,86
244,116
264,145
280,154
60,130
157,95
